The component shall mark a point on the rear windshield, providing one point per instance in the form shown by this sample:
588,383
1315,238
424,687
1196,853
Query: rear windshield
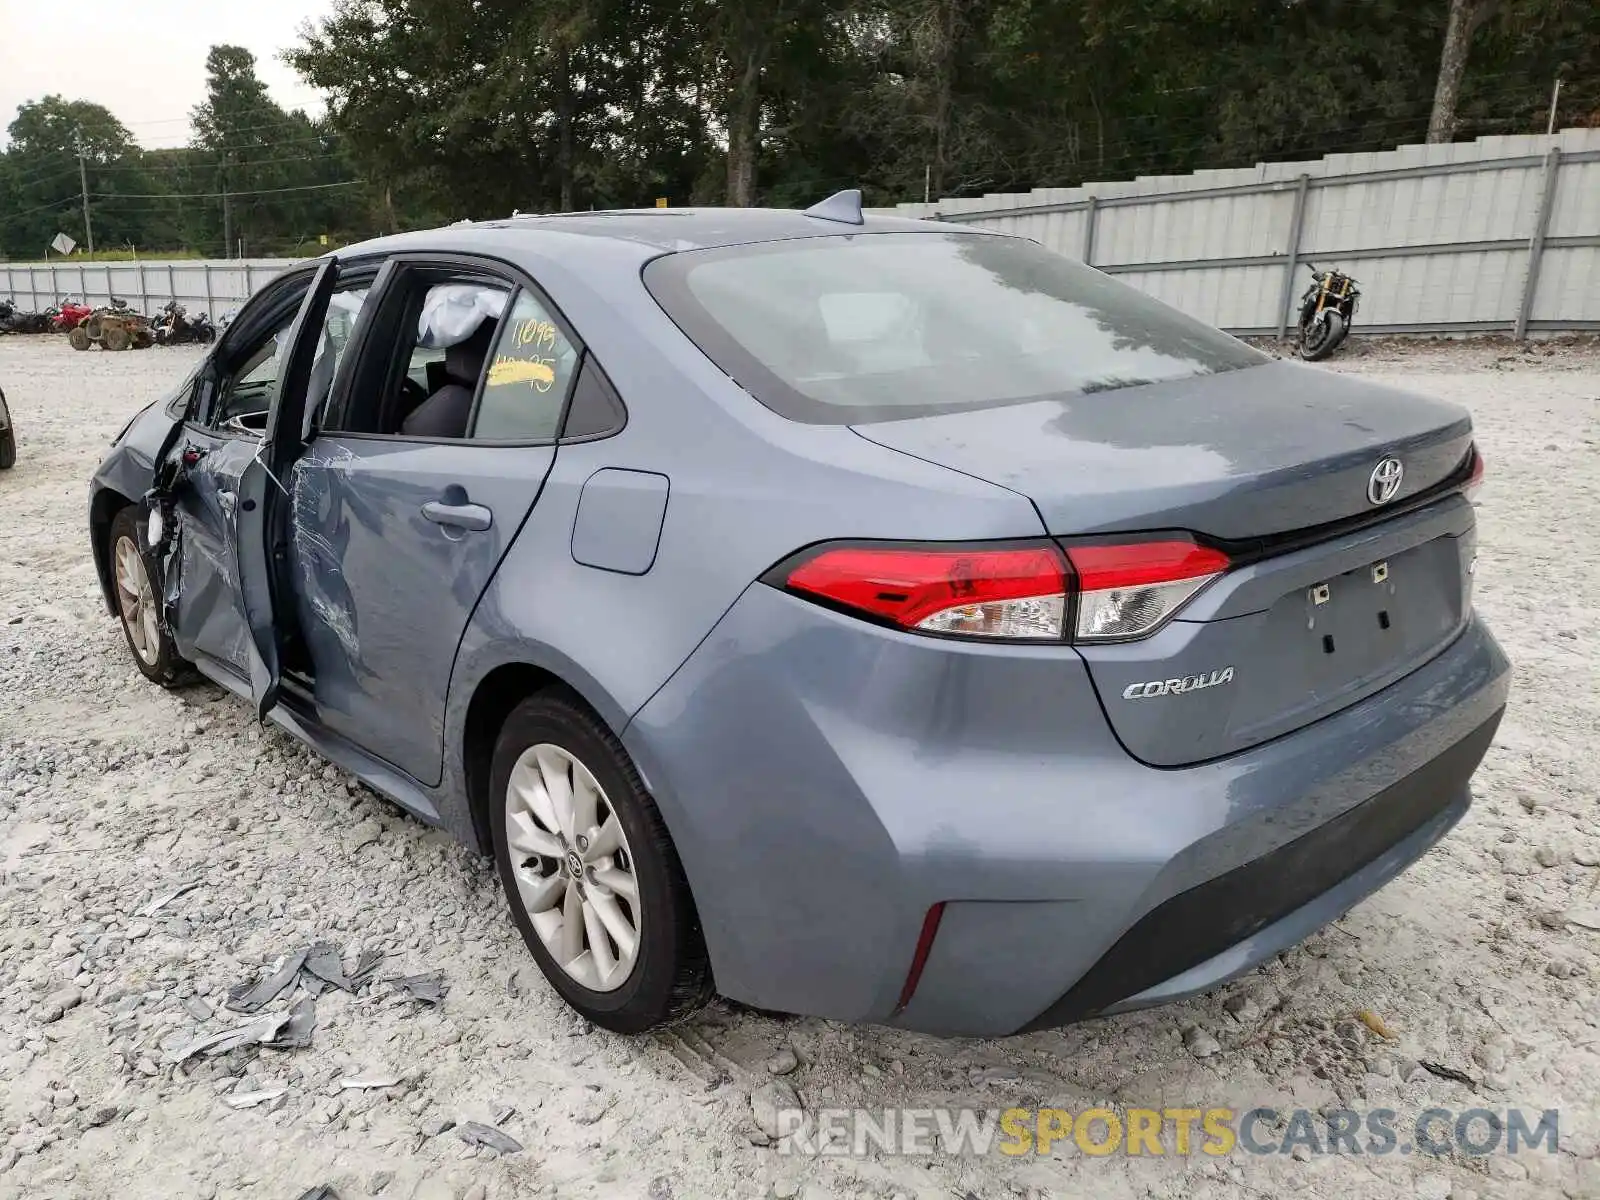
878,327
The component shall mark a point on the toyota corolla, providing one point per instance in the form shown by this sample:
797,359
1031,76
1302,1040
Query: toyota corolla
854,616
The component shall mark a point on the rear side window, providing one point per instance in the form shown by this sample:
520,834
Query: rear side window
878,327
530,373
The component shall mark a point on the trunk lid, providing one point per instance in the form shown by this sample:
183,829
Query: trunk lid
1302,626
1236,455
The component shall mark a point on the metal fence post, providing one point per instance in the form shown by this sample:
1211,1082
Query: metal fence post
55,285
172,285
111,285
249,286
83,285
1089,215
1541,227
211,305
144,291
1297,221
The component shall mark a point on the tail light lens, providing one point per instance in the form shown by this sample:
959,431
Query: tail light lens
1002,592
1091,592
1475,479
1128,589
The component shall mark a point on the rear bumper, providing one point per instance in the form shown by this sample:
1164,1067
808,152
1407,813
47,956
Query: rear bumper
827,781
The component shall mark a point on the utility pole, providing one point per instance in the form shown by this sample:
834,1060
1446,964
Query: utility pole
227,217
83,183
1554,96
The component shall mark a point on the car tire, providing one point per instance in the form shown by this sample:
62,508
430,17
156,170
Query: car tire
150,643
669,975
8,449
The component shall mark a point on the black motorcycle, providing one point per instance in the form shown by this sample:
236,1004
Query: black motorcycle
12,321
1327,311
173,326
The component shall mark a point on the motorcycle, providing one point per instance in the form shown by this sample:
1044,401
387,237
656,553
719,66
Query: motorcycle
69,314
1327,310
172,326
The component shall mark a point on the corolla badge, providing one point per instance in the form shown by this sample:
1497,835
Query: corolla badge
1176,687
1384,482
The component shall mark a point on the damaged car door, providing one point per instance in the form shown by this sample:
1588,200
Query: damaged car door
202,474
262,514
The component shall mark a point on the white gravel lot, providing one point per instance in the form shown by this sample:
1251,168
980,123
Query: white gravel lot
114,793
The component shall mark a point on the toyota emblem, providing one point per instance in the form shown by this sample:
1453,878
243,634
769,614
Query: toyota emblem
1384,483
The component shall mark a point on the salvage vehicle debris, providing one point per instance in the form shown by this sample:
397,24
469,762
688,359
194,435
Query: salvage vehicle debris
161,902
368,1082
478,1134
256,994
296,1032
251,1099
257,1032
428,990
316,968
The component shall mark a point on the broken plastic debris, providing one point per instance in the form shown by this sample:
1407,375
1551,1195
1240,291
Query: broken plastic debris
197,1008
429,988
251,1099
478,1134
323,1191
324,966
252,996
296,1033
366,963
161,902
263,1029
360,1082
316,968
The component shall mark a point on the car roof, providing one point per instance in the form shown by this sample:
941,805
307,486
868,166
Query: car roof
655,229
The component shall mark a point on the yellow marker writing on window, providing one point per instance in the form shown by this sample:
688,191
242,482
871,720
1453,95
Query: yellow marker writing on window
519,370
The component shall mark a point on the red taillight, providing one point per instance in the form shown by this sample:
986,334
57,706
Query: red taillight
1001,592
930,929
1124,589
1475,479
1139,564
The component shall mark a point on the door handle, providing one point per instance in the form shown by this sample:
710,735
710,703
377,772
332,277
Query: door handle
463,516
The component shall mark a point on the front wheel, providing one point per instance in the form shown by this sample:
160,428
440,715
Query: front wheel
1322,336
153,649
593,880
79,338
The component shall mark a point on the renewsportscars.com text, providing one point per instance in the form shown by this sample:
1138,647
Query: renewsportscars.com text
1098,1132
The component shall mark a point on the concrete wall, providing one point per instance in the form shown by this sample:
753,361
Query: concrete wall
1502,233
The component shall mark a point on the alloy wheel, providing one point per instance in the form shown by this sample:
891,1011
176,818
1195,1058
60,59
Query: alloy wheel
136,600
573,868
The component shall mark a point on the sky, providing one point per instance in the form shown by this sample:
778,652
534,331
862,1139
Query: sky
145,59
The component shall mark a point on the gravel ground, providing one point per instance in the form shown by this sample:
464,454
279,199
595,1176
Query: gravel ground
113,794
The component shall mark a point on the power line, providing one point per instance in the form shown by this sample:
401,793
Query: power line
308,187
41,207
